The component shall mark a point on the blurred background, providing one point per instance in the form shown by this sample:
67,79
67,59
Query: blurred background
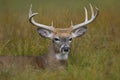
94,56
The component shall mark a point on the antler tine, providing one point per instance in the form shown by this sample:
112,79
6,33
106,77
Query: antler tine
32,21
52,23
97,12
71,23
87,21
30,12
92,11
86,14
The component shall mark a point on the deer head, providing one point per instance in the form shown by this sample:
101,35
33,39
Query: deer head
62,37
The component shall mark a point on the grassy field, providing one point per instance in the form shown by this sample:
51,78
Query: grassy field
94,56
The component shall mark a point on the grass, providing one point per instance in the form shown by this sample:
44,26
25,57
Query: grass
94,56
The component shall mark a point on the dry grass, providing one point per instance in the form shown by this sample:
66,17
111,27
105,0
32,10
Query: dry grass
96,57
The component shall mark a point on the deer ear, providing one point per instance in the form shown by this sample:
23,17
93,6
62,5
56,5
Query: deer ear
45,33
79,32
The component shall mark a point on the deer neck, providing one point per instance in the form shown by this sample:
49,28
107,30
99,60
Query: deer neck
55,59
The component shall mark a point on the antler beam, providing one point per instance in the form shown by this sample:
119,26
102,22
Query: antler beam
31,19
93,17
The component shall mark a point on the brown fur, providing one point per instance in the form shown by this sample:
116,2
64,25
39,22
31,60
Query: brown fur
44,61
66,32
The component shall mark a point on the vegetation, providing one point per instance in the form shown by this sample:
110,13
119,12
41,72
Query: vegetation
94,56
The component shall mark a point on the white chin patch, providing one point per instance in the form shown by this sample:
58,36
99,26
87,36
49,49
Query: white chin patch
62,56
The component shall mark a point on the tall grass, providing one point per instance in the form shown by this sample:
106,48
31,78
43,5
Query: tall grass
94,56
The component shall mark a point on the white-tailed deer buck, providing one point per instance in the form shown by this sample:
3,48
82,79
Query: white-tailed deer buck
61,40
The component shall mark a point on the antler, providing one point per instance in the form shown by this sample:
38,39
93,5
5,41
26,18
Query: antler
31,19
93,17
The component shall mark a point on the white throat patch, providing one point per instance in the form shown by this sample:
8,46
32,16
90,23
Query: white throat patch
61,56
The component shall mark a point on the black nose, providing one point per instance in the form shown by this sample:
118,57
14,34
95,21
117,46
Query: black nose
66,49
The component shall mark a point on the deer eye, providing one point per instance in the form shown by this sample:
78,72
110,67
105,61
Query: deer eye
57,39
70,39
